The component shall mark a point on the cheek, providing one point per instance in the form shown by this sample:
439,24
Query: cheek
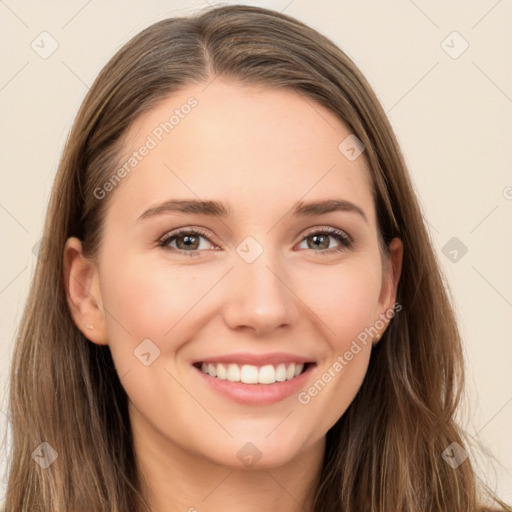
148,309
150,298
345,300
330,394
344,297
147,298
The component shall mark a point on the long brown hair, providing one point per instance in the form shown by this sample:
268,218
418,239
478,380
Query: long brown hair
385,453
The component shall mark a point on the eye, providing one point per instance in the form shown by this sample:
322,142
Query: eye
187,241
320,239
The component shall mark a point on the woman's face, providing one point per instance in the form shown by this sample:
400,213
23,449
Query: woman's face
260,280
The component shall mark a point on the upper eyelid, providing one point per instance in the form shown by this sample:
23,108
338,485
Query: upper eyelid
202,233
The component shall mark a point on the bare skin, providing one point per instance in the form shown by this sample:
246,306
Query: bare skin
259,151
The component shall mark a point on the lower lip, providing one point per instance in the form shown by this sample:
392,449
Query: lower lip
257,394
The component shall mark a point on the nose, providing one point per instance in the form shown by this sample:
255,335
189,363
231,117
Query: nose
259,296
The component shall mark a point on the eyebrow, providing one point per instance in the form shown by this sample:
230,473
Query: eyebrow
218,209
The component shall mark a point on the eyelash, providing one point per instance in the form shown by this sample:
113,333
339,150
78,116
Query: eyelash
345,241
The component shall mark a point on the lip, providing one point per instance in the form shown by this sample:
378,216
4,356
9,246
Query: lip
256,394
256,359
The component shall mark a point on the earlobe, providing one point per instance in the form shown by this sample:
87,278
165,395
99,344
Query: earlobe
83,294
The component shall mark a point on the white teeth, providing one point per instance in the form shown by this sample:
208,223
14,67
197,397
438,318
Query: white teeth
249,374
267,374
281,372
221,372
233,373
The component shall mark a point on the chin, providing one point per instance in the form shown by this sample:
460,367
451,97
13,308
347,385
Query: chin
258,453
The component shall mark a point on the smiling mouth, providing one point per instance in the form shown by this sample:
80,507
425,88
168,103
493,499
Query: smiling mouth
250,374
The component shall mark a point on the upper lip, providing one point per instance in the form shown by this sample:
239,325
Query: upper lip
256,359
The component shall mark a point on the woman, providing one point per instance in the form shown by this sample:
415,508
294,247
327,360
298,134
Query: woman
255,372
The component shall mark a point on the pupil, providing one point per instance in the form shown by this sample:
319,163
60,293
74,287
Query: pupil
317,240
324,245
188,240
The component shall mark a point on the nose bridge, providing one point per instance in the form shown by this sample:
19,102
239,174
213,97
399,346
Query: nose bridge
260,296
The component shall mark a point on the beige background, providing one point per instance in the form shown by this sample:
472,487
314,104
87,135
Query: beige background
451,115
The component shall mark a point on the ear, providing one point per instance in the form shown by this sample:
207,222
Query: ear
391,276
81,279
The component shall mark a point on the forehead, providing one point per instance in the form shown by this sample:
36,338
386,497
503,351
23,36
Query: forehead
249,146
